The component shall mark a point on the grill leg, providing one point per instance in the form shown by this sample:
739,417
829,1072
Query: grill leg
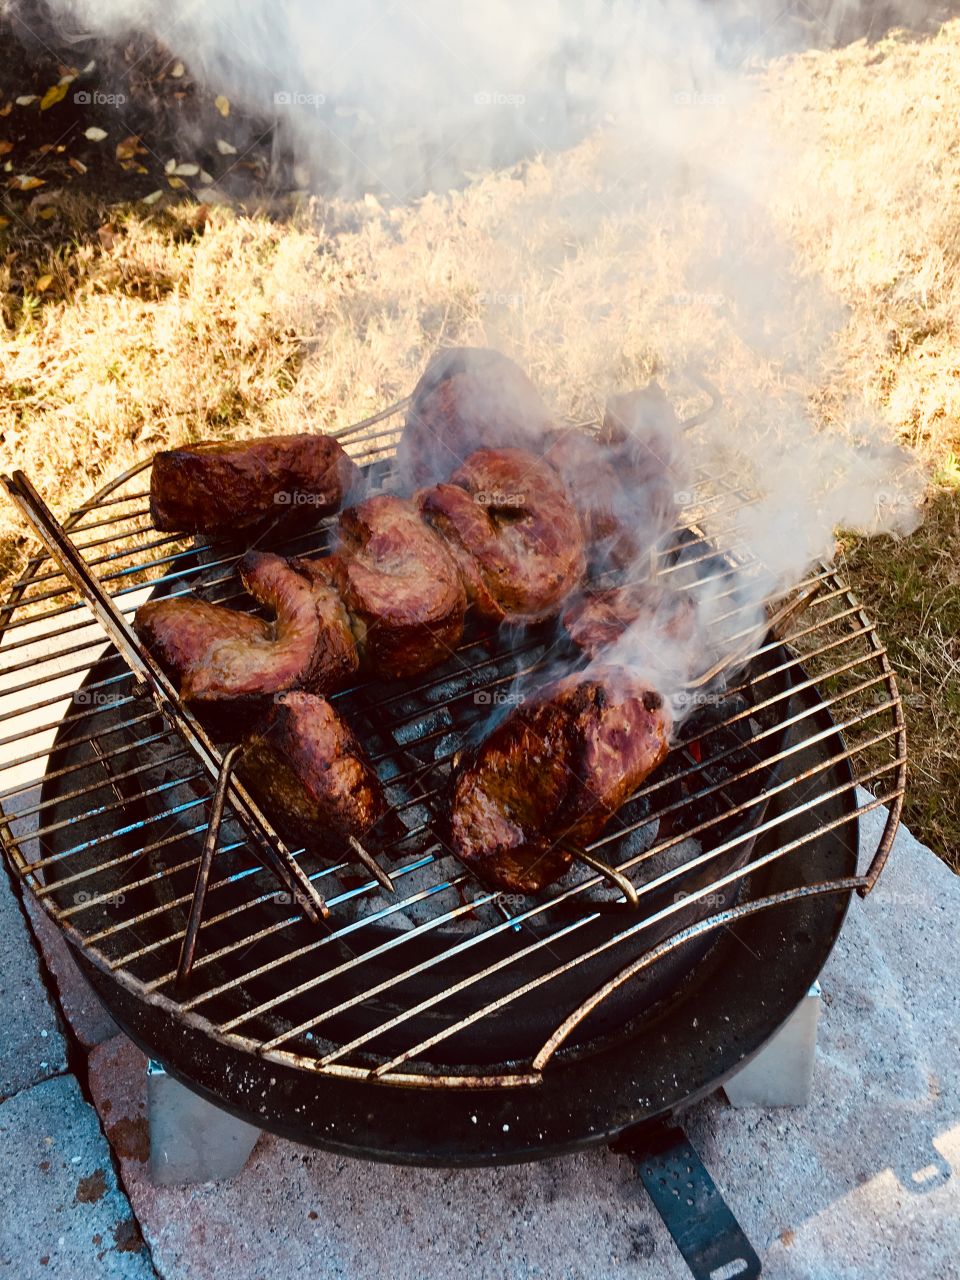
781,1075
693,1210
191,1140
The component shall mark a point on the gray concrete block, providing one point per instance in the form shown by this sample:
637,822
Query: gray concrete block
79,1003
61,1212
31,1045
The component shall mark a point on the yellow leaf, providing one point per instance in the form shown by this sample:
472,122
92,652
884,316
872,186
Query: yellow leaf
23,183
177,183
130,147
4,222
56,93
74,163
43,282
47,213
222,104
94,134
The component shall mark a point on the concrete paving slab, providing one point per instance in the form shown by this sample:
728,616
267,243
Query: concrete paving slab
31,1045
61,1212
86,1017
863,1184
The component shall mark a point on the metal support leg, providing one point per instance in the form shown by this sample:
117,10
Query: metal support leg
781,1075
191,1140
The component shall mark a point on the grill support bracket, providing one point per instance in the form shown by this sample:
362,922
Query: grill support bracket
698,1218
191,1140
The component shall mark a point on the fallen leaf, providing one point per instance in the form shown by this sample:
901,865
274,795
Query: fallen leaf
24,183
47,213
74,163
43,282
169,166
4,222
130,147
93,134
206,178
25,99
6,109
222,104
178,184
177,70
56,93
91,66
152,198
133,165
187,170
5,147
106,236
226,148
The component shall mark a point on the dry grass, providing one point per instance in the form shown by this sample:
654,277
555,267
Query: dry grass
165,325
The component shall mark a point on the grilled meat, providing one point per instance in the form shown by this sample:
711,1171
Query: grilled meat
616,528
307,769
221,657
553,773
514,531
468,398
400,585
597,619
222,487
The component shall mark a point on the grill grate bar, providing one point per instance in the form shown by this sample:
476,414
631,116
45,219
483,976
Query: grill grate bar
834,649
480,975
541,909
535,911
673,909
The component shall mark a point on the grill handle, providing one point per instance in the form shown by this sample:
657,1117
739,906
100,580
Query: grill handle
698,1218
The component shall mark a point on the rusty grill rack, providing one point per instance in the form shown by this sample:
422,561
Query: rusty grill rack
53,681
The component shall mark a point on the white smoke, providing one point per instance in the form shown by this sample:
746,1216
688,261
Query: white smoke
400,98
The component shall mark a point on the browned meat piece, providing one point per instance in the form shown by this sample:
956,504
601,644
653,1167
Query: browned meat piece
222,487
517,536
400,585
616,528
310,774
554,772
468,398
597,619
179,631
222,657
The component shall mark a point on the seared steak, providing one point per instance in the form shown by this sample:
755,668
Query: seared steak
306,768
222,657
516,535
399,584
468,398
222,487
553,774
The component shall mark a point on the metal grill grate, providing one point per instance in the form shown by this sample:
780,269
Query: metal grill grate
104,812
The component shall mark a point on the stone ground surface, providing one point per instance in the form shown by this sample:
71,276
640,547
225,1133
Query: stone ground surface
31,1045
63,1214
863,1184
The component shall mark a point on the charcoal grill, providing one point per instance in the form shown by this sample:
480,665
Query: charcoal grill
417,1027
